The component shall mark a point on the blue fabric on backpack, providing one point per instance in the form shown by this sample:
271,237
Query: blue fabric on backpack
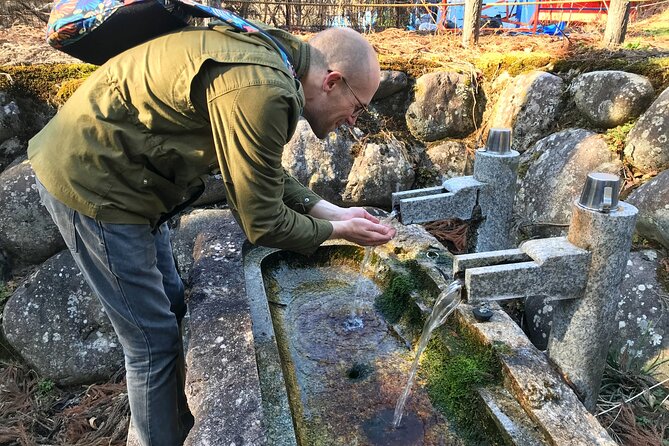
96,30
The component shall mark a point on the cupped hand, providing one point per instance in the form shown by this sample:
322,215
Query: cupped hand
362,231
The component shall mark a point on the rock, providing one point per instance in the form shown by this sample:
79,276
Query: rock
59,327
449,159
378,171
391,83
611,98
538,318
10,119
446,104
5,267
27,232
320,165
551,176
214,192
647,144
529,105
642,317
10,149
652,200
184,234
222,382
394,106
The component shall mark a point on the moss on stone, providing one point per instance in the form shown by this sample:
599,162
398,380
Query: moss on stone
524,166
513,62
454,366
615,137
396,299
656,69
41,81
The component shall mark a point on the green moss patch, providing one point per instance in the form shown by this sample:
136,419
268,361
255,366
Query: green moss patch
397,299
454,367
41,82
514,62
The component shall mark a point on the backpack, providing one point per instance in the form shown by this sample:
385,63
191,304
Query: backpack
96,30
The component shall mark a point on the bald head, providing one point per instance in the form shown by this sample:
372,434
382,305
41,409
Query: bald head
342,78
345,50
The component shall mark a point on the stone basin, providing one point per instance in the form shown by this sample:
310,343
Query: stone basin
331,367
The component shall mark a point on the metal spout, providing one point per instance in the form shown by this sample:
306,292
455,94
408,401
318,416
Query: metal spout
600,192
499,141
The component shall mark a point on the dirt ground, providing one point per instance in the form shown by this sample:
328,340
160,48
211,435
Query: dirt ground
21,44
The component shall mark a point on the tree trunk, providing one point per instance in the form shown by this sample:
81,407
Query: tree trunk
472,23
616,24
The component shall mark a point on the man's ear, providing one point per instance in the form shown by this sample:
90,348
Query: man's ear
330,80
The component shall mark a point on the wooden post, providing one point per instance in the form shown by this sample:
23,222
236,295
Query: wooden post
472,23
616,24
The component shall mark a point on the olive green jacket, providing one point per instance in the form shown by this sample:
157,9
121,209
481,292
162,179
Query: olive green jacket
135,140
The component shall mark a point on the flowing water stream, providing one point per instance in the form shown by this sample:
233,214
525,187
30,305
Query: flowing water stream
447,301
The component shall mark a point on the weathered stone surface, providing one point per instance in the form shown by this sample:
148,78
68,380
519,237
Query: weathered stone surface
652,200
59,326
391,83
378,171
222,381
647,144
214,192
642,317
552,175
10,122
394,106
27,231
449,159
321,165
611,98
10,149
446,104
579,351
541,391
529,106
184,235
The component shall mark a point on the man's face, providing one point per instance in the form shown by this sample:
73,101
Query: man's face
339,104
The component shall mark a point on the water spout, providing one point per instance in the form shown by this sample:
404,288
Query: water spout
446,303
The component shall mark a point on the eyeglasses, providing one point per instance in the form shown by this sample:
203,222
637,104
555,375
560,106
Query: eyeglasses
357,111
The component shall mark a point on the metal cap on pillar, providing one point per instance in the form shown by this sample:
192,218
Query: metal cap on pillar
499,141
600,192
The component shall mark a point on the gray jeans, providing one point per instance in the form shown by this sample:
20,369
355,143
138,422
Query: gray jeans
132,271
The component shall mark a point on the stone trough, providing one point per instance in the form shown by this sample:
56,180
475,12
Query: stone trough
303,368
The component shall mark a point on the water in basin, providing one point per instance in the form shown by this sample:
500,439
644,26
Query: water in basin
344,365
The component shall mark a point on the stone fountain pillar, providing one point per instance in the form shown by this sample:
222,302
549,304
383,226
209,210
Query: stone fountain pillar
582,328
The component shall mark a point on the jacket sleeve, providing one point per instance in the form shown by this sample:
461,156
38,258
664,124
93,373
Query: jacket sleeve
250,126
298,197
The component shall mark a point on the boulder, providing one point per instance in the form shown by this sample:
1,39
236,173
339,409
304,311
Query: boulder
551,176
184,235
59,326
320,165
448,160
647,144
529,105
611,98
391,83
642,317
10,122
446,104
10,149
27,232
652,200
380,170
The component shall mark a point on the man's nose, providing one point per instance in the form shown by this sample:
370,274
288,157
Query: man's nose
351,120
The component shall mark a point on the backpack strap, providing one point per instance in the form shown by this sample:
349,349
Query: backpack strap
241,24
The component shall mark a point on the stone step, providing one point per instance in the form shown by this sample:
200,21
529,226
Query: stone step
512,422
